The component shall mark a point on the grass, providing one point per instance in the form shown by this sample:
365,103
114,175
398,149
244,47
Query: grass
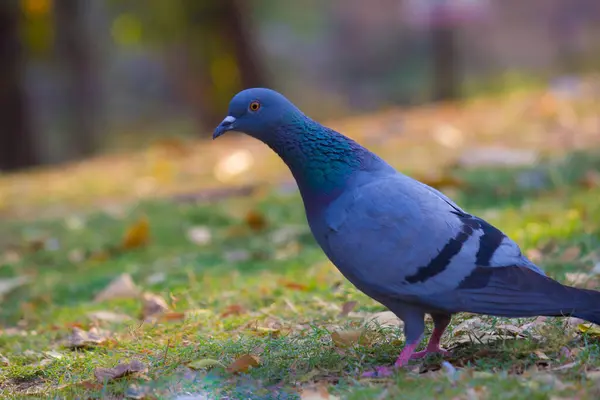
262,286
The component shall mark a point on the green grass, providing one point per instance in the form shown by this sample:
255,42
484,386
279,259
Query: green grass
290,298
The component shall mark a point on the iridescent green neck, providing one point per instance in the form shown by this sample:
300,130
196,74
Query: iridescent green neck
320,159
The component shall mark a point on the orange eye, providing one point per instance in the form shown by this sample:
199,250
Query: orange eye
254,106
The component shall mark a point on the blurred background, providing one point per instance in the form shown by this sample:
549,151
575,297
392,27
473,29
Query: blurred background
81,77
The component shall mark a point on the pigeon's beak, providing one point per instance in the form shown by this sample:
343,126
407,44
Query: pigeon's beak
227,124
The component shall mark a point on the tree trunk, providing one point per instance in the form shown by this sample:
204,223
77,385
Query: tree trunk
220,57
17,148
80,80
445,68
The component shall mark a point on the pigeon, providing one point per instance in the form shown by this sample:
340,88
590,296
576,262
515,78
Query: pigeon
401,242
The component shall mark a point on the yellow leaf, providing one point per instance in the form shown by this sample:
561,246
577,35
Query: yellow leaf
206,363
137,235
264,331
244,363
121,287
592,330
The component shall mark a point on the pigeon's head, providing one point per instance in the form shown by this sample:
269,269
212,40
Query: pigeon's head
257,112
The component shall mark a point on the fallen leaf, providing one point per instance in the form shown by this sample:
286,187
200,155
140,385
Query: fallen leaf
199,235
570,254
347,307
9,284
589,329
54,354
120,287
385,319
566,366
256,220
108,316
121,370
346,338
233,309
172,316
153,305
82,339
468,325
206,363
294,285
350,337
243,363
137,235
265,331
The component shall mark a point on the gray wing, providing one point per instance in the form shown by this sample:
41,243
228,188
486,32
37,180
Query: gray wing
396,237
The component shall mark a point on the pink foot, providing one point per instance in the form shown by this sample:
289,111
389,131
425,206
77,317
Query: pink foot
421,354
385,371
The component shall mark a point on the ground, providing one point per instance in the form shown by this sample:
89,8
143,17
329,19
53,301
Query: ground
109,292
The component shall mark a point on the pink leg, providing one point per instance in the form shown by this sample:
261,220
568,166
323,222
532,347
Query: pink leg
441,322
402,360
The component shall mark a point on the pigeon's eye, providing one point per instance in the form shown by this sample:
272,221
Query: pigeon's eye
254,106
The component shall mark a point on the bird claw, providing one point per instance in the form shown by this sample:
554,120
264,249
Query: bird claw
422,354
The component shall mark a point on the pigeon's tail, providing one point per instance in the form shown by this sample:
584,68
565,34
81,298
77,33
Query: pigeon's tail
519,292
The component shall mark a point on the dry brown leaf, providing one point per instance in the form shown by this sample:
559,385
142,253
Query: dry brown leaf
82,339
293,285
234,309
243,363
346,338
121,370
9,284
570,254
120,287
137,235
468,325
256,220
153,305
350,337
347,307
108,316
173,316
